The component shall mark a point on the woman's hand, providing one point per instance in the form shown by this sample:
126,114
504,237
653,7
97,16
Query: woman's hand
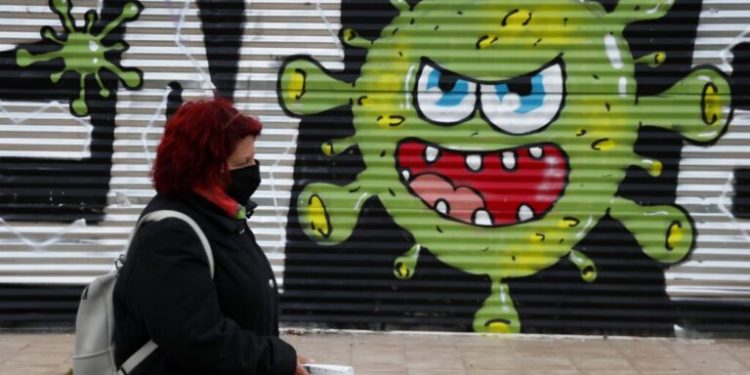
301,360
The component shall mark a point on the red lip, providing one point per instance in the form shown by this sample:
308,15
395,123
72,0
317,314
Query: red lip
491,189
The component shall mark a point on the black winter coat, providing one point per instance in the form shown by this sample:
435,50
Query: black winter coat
164,292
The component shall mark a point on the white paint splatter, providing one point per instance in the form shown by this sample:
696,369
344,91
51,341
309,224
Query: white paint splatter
726,53
407,88
623,86
613,51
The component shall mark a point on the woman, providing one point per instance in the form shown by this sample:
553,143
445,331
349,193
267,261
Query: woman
205,167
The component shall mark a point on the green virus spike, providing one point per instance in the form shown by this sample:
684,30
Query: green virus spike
62,9
84,53
129,13
49,34
91,19
445,132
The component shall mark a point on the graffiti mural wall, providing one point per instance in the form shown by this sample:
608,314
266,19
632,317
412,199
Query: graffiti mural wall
490,166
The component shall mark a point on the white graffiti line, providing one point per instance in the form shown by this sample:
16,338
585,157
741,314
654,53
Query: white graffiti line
206,82
334,35
724,201
19,120
725,54
144,134
275,194
175,16
41,245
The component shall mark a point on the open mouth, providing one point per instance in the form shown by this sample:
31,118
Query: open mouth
490,189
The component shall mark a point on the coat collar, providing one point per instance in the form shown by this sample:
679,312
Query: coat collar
216,215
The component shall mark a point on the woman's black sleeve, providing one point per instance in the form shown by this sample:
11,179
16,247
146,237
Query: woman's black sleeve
174,292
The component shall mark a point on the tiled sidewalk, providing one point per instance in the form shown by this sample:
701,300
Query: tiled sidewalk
450,354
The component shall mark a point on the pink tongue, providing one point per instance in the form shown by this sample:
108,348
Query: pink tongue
525,187
460,203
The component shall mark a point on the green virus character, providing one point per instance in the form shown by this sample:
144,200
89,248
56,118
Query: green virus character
84,52
497,134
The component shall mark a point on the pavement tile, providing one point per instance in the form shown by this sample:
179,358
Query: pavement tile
489,371
27,369
594,364
545,363
440,341
666,364
435,371
496,358
481,340
62,369
635,347
36,358
418,354
382,370
708,358
589,348
323,348
17,339
740,350
529,347
396,340
433,357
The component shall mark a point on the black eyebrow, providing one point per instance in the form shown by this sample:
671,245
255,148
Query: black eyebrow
426,61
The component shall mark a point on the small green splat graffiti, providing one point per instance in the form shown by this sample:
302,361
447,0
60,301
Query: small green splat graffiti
84,52
498,134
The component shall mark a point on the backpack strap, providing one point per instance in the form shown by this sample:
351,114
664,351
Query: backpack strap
137,358
149,347
165,214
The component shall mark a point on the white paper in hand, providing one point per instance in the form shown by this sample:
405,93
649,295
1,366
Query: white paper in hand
321,369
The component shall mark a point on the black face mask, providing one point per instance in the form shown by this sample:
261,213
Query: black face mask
244,183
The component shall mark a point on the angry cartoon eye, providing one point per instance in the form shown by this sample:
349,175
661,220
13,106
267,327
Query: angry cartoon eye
525,104
444,97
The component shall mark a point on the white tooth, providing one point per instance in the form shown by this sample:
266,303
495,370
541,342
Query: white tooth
536,152
406,175
525,213
442,207
431,154
509,160
482,217
474,162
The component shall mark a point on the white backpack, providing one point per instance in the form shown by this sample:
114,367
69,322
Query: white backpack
94,354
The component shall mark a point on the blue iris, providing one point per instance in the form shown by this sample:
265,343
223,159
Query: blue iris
452,96
529,102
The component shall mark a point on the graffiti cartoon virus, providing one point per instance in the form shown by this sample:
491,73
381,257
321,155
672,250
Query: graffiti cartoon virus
497,134
84,52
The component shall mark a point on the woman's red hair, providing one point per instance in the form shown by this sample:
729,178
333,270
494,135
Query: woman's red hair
196,144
